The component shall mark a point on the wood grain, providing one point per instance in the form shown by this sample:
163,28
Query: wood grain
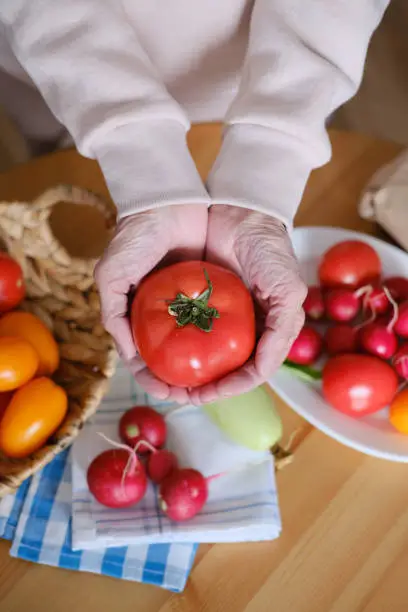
344,546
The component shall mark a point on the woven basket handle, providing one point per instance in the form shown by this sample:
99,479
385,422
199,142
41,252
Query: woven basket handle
27,232
74,195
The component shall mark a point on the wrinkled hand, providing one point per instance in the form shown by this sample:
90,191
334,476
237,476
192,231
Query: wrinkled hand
141,242
257,247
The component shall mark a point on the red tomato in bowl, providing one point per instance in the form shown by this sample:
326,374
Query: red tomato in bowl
351,263
193,322
358,384
12,288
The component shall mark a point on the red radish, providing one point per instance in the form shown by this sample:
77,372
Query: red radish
377,339
314,304
377,300
307,347
351,263
401,325
142,423
183,494
117,479
398,287
342,305
341,339
160,464
400,361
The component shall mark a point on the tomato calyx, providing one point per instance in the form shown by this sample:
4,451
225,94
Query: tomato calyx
195,310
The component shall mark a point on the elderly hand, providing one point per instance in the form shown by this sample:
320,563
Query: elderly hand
257,247
141,242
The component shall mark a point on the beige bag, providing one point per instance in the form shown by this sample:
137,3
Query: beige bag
385,199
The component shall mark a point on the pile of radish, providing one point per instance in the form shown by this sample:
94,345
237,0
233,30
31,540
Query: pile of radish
118,477
359,320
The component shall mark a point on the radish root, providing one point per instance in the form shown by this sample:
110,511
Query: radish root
145,443
366,291
402,386
132,461
370,319
391,324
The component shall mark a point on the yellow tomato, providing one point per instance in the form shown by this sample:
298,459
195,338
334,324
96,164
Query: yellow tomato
18,363
33,415
399,411
30,328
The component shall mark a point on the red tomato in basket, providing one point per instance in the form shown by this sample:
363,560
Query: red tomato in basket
12,288
193,322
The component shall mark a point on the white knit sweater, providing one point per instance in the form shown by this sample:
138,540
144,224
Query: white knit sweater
126,77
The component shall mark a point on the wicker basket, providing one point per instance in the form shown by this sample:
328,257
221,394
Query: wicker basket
61,291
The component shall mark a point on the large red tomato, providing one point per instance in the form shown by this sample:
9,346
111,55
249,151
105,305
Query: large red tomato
351,263
193,322
358,384
12,289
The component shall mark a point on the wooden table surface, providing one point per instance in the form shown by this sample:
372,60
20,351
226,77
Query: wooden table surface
344,546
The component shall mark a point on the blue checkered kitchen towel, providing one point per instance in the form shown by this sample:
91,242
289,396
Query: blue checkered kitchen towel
38,521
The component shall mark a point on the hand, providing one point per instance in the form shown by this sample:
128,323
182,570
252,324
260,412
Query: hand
141,242
257,247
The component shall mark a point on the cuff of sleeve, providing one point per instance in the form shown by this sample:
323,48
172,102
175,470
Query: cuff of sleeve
147,164
262,169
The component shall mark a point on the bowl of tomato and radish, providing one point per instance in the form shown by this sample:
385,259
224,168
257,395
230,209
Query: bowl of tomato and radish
193,323
371,434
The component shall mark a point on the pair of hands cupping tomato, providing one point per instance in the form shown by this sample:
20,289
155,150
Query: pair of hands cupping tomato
177,357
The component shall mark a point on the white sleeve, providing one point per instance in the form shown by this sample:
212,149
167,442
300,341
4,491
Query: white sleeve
304,59
85,58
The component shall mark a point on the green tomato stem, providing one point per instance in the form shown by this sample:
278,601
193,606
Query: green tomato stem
194,310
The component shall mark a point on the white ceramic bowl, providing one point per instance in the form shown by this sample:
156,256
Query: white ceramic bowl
373,434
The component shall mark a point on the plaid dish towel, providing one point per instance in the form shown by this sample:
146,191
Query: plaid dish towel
242,504
10,510
38,520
